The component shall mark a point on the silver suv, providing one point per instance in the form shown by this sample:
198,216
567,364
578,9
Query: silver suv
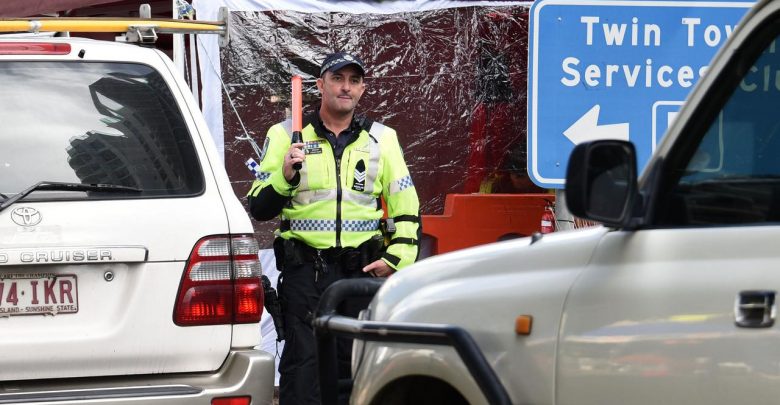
128,269
673,301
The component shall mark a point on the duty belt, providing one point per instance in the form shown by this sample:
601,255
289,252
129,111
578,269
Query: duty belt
330,255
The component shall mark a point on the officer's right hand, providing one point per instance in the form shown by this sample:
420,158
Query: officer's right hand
379,268
294,155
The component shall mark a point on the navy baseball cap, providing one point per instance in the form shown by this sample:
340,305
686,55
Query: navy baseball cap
335,61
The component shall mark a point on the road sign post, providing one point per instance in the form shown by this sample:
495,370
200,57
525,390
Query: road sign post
614,69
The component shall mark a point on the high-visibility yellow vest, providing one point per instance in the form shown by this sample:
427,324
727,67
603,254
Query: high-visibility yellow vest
336,202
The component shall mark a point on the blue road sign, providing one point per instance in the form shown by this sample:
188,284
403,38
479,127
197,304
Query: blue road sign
614,69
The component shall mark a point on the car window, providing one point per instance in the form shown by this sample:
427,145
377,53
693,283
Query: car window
733,176
107,123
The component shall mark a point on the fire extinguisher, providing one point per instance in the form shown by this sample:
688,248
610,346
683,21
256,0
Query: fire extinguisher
548,220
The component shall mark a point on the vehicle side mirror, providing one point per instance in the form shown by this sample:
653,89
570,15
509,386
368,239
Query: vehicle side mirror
601,181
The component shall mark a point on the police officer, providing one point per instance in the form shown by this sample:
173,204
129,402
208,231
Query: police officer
330,213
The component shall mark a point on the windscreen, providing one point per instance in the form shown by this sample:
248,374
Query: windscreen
733,174
93,123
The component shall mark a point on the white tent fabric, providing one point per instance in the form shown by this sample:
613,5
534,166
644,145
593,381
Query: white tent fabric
269,343
212,91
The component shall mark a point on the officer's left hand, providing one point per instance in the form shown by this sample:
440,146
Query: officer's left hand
379,269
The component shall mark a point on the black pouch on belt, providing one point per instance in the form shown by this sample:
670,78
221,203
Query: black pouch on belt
287,253
294,252
279,253
351,261
371,250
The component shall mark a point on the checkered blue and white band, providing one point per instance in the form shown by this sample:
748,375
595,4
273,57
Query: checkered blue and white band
401,184
255,169
329,225
359,226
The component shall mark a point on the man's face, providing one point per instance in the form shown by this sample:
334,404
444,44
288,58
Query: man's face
341,90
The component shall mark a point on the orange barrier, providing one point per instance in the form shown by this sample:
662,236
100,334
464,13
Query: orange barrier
476,219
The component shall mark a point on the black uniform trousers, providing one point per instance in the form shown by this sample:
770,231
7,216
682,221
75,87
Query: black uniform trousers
300,291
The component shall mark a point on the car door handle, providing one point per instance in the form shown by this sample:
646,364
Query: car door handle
755,309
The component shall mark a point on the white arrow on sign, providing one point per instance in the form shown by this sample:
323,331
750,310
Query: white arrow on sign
587,128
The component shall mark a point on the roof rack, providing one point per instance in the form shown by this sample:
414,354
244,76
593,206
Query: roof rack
142,30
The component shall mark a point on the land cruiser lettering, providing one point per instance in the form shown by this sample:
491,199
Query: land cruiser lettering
91,255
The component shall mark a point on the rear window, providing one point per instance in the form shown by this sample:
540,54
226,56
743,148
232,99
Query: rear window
93,123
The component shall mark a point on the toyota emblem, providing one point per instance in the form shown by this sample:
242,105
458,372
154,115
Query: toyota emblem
26,216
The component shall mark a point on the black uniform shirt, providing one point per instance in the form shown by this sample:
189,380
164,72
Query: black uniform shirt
346,137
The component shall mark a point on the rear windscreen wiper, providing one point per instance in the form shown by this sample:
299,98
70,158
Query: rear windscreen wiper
56,186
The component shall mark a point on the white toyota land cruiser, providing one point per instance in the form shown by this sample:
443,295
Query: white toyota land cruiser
128,269
673,301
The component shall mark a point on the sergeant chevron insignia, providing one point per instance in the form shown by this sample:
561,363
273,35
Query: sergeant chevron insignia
359,182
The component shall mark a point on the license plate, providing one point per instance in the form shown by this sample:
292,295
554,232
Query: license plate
39,293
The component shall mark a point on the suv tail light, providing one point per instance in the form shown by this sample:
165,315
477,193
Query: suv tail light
232,401
33,48
221,283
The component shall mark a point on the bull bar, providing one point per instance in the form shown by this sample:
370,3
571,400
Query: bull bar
328,324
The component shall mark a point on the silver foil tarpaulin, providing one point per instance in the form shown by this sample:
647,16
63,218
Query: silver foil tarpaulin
451,82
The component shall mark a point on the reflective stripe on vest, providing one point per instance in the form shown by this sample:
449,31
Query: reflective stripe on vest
374,152
312,196
287,125
304,182
366,200
329,225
